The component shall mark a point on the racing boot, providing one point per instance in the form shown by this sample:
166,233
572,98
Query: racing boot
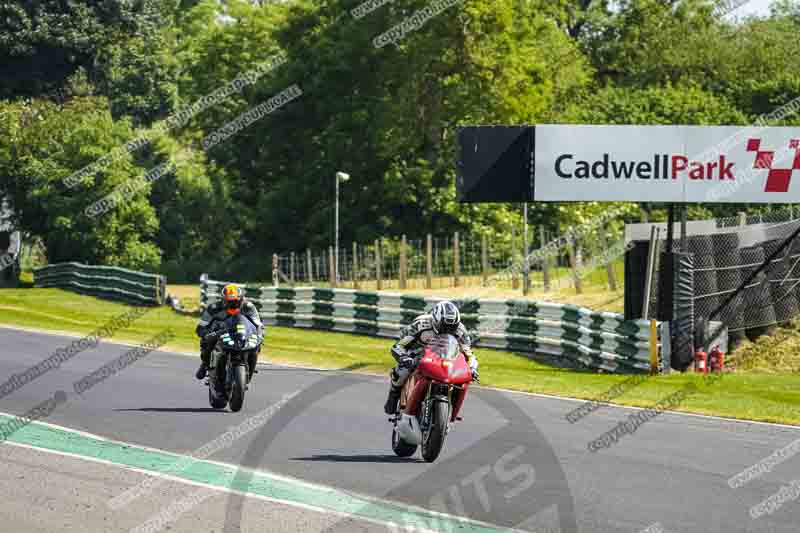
390,407
252,361
397,378
205,357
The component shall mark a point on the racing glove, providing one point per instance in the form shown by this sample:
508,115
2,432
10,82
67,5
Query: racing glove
473,365
398,352
405,362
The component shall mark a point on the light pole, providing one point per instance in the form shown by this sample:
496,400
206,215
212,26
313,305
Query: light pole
340,177
527,266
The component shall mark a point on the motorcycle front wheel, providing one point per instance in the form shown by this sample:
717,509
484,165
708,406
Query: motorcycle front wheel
217,400
400,447
433,437
239,384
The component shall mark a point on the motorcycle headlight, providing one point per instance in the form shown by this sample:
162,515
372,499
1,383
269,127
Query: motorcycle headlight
252,342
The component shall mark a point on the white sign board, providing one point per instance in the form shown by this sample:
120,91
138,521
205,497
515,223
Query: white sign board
669,164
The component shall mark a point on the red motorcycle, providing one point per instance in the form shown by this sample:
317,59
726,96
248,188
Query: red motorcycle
431,399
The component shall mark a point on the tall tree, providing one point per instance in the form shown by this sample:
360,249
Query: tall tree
41,145
121,46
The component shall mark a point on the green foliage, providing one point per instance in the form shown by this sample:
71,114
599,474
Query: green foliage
686,104
40,145
119,44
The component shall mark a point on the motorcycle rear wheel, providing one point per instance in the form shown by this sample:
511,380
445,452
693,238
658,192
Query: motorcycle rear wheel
239,384
400,447
433,437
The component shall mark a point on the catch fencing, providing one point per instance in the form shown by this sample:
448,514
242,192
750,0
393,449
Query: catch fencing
723,253
111,283
603,341
457,260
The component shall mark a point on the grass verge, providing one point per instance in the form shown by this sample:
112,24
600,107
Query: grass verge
754,395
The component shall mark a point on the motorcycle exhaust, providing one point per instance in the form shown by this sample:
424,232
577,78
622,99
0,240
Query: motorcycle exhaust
409,430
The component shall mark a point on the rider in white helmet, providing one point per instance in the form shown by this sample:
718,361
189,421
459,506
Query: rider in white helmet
443,318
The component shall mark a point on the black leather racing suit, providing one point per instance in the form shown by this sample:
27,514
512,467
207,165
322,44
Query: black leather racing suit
216,313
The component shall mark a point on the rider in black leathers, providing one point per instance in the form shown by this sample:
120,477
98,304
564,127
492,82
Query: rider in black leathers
232,303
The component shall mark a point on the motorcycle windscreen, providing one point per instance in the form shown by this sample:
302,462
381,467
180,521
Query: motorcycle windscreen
445,347
241,333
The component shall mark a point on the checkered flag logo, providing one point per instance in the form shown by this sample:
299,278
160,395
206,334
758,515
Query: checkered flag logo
778,179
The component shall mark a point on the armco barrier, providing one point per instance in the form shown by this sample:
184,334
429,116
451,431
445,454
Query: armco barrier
112,283
594,339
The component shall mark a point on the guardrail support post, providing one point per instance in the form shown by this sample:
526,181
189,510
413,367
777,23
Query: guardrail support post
429,263
403,264
456,261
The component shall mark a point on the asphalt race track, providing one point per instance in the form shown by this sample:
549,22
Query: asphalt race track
514,462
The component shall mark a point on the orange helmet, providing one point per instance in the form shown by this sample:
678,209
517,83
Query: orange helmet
232,296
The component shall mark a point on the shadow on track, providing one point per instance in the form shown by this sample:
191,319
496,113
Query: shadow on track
174,410
269,367
358,459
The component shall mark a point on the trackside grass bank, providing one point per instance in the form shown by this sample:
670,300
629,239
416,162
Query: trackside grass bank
748,394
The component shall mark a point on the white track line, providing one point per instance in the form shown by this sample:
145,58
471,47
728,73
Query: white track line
254,472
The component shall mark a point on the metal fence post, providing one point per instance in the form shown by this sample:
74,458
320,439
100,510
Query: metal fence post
456,261
275,280
355,266
378,278
403,263
331,266
545,260
310,266
484,260
573,263
429,263
648,281
291,268
526,266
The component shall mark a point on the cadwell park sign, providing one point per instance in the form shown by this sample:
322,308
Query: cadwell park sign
664,164
678,164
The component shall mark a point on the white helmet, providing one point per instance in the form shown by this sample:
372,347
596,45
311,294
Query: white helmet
446,317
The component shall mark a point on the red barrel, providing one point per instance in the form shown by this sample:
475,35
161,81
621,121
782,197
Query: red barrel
701,362
716,359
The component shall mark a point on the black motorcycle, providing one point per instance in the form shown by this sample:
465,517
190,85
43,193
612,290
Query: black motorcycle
236,348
